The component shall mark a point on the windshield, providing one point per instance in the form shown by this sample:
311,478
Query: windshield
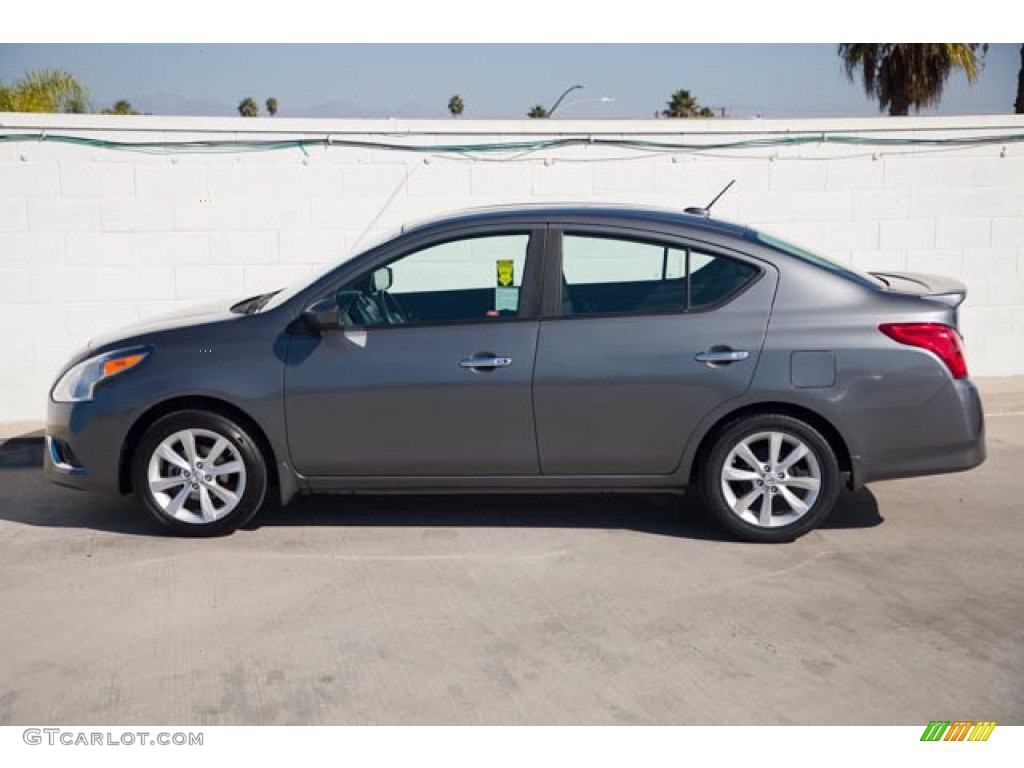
818,260
282,296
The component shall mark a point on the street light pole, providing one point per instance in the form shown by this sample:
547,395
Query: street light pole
565,93
602,100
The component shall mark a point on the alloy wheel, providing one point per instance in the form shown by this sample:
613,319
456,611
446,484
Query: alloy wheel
196,476
771,479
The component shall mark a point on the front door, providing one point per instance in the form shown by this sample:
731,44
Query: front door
647,339
430,374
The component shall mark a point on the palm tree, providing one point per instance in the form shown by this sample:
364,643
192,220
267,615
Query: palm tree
1018,105
44,90
456,105
248,107
272,106
537,111
121,107
76,106
684,104
905,75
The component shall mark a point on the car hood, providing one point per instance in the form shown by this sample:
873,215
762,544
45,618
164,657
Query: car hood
200,314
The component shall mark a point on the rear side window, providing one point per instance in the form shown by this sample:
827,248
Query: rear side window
818,260
609,275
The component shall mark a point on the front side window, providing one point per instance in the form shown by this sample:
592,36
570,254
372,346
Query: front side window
478,278
609,275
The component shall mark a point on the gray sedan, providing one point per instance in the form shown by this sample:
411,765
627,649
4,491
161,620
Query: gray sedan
533,349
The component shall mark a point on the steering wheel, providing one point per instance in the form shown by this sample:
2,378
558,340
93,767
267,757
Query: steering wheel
390,308
364,311
376,308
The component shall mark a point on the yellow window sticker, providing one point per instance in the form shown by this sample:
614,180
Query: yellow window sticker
506,272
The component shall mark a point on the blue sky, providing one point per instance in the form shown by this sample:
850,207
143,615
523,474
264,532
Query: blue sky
415,80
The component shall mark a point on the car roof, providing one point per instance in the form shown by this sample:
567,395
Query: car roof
596,212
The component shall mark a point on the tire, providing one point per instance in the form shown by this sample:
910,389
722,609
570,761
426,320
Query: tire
799,499
224,496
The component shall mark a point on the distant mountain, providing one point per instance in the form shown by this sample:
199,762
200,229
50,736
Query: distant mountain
343,108
174,104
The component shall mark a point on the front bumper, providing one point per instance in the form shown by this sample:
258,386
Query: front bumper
83,445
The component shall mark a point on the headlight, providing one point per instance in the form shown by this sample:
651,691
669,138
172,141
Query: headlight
80,380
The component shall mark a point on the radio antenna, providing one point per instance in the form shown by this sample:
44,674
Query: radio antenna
706,210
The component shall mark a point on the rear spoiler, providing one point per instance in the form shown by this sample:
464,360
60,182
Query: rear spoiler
935,287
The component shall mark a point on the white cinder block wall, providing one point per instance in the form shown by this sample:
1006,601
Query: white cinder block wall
93,238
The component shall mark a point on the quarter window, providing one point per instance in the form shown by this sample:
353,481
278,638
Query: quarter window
606,275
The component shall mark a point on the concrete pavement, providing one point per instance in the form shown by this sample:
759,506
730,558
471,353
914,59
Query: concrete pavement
907,607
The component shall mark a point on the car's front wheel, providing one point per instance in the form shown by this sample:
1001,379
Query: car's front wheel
770,478
199,473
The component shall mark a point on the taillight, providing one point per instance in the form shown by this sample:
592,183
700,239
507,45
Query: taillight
935,337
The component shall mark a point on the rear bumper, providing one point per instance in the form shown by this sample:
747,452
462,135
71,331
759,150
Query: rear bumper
946,433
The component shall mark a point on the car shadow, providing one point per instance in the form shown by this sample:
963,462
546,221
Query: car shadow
38,503
664,515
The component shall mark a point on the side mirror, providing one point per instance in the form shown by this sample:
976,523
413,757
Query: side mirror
330,313
383,279
322,315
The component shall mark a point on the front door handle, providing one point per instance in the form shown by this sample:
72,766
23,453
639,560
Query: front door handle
485,362
721,356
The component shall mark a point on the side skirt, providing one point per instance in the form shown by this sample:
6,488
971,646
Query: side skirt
494,484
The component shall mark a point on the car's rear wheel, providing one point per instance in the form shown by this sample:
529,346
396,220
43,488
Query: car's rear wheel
199,473
770,478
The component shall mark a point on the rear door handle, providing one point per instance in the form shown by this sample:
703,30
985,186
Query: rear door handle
721,356
485,362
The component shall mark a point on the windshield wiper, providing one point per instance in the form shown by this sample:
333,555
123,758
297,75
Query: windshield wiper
261,301
253,304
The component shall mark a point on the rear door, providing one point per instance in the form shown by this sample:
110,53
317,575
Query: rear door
642,337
